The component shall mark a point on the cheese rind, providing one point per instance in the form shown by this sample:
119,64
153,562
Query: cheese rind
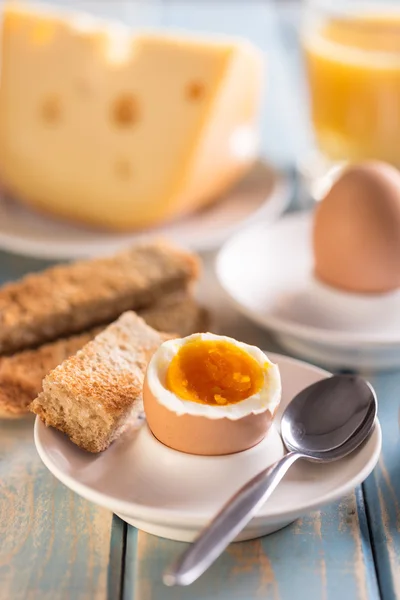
122,130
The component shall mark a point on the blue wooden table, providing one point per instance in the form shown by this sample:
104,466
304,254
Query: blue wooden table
55,545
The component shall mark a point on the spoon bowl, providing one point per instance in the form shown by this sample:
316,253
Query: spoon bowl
323,423
333,428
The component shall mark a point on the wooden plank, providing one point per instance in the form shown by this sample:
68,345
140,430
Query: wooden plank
320,557
135,13
382,488
116,567
54,545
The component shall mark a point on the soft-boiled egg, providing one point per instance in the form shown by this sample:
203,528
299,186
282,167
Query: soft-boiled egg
209,394
356,230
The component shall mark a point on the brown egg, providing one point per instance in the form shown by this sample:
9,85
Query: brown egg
356,230
204,428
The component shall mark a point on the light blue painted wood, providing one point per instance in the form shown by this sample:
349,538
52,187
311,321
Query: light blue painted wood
135,13
130,567
13,266
320,557
53,544
115,571
382,489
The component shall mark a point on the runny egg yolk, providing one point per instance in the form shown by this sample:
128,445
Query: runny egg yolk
214,372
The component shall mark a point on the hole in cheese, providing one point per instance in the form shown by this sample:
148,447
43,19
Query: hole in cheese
195,90
125,110
214,372
51,109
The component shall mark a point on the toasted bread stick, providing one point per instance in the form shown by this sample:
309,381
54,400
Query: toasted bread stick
96,394
176,313
21,375
73,298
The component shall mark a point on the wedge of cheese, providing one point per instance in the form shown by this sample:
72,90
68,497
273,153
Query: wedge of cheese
119,129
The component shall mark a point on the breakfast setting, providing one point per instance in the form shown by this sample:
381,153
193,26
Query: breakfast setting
199,300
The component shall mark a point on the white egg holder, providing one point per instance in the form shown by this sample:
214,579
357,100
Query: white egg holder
268,274
353,310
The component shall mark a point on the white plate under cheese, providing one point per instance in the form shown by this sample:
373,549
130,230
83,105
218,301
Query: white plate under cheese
261,196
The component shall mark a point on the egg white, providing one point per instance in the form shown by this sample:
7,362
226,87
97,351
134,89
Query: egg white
268,397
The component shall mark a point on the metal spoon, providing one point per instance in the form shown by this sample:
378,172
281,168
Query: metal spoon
325,422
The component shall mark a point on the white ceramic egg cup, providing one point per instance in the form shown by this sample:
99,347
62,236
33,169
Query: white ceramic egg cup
174,495
267,271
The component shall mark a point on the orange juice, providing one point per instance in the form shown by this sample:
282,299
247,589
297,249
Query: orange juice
353,67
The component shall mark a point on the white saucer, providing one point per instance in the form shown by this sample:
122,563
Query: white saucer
173,495
262,194
267,273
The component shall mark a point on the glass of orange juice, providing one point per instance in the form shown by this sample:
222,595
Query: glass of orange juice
352,60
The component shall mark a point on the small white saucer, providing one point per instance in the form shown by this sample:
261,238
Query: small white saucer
173,495
262,194
267,273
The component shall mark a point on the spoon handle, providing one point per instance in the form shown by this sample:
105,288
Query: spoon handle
228,523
